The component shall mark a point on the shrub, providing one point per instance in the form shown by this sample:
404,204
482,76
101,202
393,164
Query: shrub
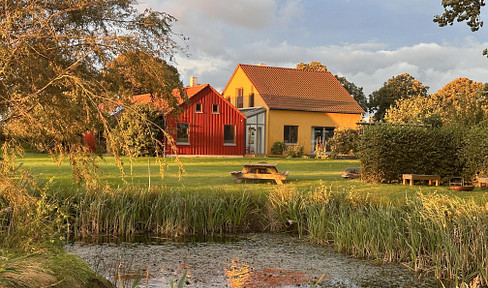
386,152
294,151
134,136
345,141
278,148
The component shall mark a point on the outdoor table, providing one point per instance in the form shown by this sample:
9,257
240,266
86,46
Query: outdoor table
263,171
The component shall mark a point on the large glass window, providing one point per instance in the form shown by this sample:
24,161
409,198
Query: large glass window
290,134
182,133
229,134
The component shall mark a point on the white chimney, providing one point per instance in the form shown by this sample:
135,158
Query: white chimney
193,81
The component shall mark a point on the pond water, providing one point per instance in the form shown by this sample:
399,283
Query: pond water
249,260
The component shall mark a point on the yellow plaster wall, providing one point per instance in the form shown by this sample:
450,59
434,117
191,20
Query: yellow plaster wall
241,81
305,121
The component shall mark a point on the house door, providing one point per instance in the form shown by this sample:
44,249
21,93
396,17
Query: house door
320,136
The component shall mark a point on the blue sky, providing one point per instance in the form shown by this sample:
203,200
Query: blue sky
367,41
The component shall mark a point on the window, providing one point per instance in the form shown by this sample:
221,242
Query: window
198,107
229,134
182,133
215,108
290,135
251,100
240,98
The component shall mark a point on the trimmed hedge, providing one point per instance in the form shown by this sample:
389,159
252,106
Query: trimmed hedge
386,152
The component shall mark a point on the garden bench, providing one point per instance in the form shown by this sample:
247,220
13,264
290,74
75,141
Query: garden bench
421,177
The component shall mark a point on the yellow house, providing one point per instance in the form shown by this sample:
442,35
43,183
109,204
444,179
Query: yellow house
290,105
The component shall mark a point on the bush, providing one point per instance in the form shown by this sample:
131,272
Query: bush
278,148
386,152
345,141
294,151
136,133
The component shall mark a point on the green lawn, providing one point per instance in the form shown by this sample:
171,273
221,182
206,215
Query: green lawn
211,173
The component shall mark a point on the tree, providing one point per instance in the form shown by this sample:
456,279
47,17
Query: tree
402,86
466,10
355,91
51,53
461,101
312,66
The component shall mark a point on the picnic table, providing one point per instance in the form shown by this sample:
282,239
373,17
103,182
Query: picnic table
421,177
261,171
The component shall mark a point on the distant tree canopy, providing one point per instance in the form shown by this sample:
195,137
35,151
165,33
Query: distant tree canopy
51,59
460,11
312,66
461,101
355,91
396,88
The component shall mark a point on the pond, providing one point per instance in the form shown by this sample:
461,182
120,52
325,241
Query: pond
249,260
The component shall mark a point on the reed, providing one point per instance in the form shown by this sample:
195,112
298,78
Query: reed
433,234
161,211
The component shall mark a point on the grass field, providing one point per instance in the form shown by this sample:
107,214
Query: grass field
213,173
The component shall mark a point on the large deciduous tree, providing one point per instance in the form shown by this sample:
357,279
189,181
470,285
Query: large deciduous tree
51,55
461,101
355,91
312,66
460,11
402,86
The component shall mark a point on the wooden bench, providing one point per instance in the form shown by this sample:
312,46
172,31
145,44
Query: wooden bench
420,177
260,171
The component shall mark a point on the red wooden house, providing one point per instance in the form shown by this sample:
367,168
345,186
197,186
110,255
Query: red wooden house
207,125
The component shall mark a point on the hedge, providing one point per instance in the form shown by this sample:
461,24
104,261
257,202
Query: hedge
386,152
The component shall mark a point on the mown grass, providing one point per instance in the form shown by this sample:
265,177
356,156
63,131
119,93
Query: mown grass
213,173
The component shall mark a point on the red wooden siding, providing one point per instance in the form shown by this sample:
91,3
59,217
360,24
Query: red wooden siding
206,131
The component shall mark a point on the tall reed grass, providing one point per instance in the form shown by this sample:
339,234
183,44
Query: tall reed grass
162,211
436,235
443,236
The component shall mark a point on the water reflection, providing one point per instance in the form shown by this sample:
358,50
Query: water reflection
251,260
241,275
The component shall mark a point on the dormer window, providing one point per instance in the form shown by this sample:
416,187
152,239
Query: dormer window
198,108
215,108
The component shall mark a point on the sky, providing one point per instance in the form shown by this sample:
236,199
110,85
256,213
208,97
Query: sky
366,41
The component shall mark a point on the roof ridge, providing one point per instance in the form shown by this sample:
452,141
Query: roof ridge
282,68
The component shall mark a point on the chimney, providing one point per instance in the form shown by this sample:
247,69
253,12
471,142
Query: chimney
261,64
193,81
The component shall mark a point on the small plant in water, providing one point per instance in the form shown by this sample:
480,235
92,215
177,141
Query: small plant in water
181,282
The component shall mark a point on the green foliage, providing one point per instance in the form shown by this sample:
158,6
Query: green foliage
345,141
139,131
474,152
402,86
355,91
386,152
278,148
460,102
294,151
312,66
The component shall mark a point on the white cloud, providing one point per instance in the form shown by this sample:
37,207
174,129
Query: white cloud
368,65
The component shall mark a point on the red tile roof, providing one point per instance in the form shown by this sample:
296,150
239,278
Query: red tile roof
293,89
163,105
